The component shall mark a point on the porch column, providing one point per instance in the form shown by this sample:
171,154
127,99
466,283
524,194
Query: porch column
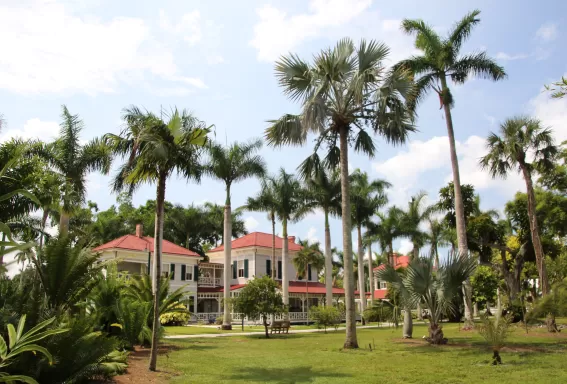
195,305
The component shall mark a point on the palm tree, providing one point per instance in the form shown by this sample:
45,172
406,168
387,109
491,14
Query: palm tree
154,150
266,201
342,93
231,165
388,229
437,289
412,219
310,256
435,239
324,192
441,59
74,162
366,198
523,143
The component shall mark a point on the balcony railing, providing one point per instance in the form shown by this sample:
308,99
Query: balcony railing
210,281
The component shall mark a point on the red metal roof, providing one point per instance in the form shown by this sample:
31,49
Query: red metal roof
378,293
144,243
400,261
259,239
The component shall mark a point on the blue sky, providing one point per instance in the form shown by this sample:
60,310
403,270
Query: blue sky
215,58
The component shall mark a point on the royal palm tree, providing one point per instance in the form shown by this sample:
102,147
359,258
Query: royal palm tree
441,59
524,144
412,220
154,150
344,92
232,165
386,231
266,201
309,257
324,192
366,198
74,162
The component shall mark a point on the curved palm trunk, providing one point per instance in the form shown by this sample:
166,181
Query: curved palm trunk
328,263
350,340
226,320
361,279
285,279
371,274
156,268
534,229
459,206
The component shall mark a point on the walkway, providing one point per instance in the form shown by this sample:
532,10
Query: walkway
205,335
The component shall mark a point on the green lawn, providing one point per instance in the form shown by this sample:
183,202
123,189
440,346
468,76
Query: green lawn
318,358
195,330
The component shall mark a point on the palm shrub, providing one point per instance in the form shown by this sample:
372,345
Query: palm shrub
495,333
551,306
105,296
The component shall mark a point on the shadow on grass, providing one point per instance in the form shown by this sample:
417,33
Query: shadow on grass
282,375
193,345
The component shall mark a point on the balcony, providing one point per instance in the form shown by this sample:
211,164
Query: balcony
210,274
210,281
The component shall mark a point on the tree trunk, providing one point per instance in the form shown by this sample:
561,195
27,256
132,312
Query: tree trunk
227,237
350,340
328,263
475,310
408,324
63,223
371,274
266,326
307,293
156,278
415,256
44,218
534,229
285,278
391,259
459,206
496,360
361,279
436,334
274,273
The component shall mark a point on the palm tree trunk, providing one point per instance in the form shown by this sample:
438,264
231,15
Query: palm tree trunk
459,206
307,292
534,229
328,263
44,218
391,260
285,278
371,274
408,324
156,278
227,236
415,256
361,279
350,340
273,216
63,223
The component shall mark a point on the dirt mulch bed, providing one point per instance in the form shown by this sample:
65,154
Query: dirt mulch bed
138,372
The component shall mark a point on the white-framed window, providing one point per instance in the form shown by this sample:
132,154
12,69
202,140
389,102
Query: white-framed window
241,268
165,270
383,285
189,273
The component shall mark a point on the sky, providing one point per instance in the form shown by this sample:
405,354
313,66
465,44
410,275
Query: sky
216,59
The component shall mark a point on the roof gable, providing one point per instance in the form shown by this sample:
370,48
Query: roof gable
258,239
144,243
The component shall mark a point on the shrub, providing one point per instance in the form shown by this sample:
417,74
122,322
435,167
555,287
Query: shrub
176,318
325,316
382,311
495,333
133,317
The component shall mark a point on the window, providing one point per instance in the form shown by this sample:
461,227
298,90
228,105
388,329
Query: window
241,268
383,285
186,274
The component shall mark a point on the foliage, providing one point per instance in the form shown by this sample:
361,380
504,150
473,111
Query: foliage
325,316
484,283
446,202
259,299
133,318
555,303
495,333
559,88
309,256
176,318
555,178
413,218
383,311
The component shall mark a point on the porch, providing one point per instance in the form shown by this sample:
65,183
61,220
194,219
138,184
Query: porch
210,274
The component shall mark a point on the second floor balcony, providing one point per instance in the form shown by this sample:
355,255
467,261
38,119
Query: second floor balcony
210,274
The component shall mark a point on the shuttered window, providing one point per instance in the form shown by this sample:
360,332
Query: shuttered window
269,267
183,272
309,272
172,272
196,273
279,269
245,267
234,269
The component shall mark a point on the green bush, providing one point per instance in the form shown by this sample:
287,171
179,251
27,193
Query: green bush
132,317
325,316
176,318
382,311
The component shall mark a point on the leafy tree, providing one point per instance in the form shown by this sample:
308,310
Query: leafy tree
154,150
345,92
259,299
518,137
484,282
446,202
325,316
555,178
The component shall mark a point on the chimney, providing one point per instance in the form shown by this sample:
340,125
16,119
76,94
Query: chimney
139,230
291,239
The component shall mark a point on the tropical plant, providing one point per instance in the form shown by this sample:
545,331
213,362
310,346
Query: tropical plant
323,188
325,316
495,333
176,318
259,299
343,92
435,238
421,283
154,150
399,295
132,319
412,220
232,165
524,144
387,230
20,342
309,257
551,306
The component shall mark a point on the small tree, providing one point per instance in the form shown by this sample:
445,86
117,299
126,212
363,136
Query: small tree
325,316
260,299
484,283
495,333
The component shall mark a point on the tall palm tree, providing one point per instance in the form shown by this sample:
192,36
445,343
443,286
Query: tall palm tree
366,198
412,220
266,201
435,239
154,150
310,256
231,165
387,230
344,92
74,162
524,144
440,60
324,192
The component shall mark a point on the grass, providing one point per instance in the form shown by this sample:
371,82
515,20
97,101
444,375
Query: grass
196,330
317,358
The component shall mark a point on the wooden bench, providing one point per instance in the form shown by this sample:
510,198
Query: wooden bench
279,326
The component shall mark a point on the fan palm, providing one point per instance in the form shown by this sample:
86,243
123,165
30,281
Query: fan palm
154,150
324,191
309,257
342,93
231,165
366,198
524,144
74,162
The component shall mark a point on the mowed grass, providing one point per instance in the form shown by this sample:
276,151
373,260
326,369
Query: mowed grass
318,358
196,330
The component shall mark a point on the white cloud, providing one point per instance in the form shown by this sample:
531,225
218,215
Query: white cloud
547,32
47,48
250,223
312,235
552,113
277,32
32,129
215,59
405,246
509,57
189,26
